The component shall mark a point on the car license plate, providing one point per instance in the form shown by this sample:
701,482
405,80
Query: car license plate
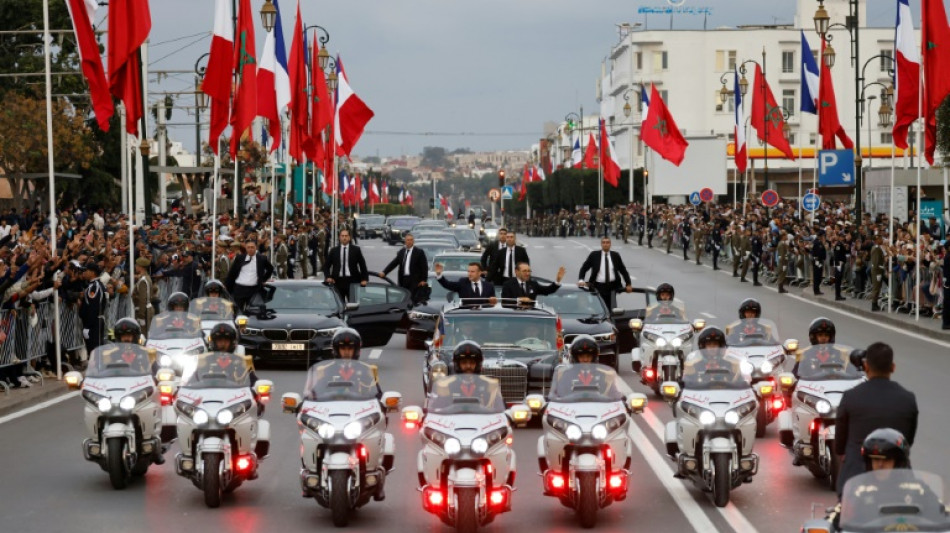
287,346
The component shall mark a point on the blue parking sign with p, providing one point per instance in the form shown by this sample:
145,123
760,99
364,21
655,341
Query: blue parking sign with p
836,168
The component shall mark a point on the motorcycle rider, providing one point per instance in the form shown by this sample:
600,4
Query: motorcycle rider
345,346
177,302
214,289
665,292
224,338
820,331
750,310
664,297
585,350
467,381
127,330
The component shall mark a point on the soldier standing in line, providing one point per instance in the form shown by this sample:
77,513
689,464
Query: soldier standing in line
715,235
221,263
745,252
303,254
143,294
735,245
757,245
686,233
651,228
668,229
318,245
840,253
877,272
281,257
781,253
699,241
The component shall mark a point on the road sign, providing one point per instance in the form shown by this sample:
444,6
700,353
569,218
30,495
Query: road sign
507,192
770,198
810,202
706,194
494,195
694,198
836,168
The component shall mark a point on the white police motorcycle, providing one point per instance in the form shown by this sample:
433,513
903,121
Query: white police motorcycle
345,449
178,340
825,373
713,432
211,311
665,337
221,435
585,451
122,411
466,466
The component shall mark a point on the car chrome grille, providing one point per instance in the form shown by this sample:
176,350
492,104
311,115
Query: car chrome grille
302,334
513,379
275,334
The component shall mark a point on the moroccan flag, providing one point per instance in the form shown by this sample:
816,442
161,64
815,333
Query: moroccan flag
129,25
245,64
608,158
352,114
590,152
659,131
299,98
766,117
828,123
218,75
83,13
907,75
935,41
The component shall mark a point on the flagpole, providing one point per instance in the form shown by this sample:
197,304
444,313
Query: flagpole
800,130
214,209
237,186
920,163
273,180
890,235
52,183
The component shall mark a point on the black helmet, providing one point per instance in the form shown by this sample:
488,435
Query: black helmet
750,304
888,443
585,345
710,335
346,337
224,330
215,286
467,350
178,299
821,325
126,326
667,288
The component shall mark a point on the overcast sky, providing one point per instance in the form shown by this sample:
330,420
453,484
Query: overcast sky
497,69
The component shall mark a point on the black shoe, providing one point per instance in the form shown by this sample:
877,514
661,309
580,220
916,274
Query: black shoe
698,263
715,268
159,459
840,298
796,461
743,280
945,327
781,290
756,284
735,275
875,308
819,293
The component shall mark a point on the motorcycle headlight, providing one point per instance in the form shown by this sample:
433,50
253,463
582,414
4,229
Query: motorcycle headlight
127,403
200,417
479,446
660,342
599,432
614,423
746,367
823,407
326,431
104,405
731,418
707,418
353,430
92,397
165,361
767,367
225,417
573,432
677,342
452,446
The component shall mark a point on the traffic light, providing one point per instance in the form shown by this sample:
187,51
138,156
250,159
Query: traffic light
501,178
431,203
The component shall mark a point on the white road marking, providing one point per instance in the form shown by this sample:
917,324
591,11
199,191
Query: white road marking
37,407
582,245
559,247
375,353
707,315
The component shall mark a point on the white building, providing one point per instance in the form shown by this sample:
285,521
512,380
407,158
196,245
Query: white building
687,66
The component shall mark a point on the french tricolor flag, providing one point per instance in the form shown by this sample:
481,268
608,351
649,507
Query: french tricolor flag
644,104
741,154
810,79
352,114
907,76
273,80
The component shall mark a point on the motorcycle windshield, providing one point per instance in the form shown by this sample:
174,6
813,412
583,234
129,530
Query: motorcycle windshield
119,360
827,362
466,394
211,308
752,332
585,383
667,312
340,380
176,325
219,370
713,369
894,500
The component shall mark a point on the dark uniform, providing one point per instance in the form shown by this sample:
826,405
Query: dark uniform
875,404
92,313
756,258
715,236
840,254
946,290
818,256
687,233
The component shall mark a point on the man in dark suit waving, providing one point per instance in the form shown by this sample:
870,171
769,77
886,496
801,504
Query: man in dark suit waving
525,289
413,268
473,289
247,275
606,272
504,266
345,265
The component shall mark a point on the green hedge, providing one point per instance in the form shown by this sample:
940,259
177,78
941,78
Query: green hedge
564,189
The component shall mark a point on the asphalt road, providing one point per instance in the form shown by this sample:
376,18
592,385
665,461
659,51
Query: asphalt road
47,486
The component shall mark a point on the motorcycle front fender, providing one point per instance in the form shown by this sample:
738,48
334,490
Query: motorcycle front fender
785,422
828,433
118,430
586,462
263,430
213,445
669,360
464,477
341,461
636,355
720,445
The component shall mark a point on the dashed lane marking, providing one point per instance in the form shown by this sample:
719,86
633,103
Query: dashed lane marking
375,353
707,315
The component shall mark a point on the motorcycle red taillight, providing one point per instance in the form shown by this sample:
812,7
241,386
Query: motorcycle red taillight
243,463
649,374
554,481
778,403
433,499
166,399
364,453
813,427
617,482
498,497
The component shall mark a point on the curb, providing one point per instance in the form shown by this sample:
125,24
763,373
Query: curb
16,401
884,318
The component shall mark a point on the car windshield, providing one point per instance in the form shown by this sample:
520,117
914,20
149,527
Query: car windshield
211,308
433,249
456,263
119,360
465,234
585,383
667,312
466,394
367,220
340,381
504,331
317,299
439,292
825,362
219,370
575,303
713,369
404,223
752,332
894,500
176,325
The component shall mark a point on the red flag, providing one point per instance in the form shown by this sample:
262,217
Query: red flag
218,75
590,153
935,41
374,193
659,131
352,114
82,13
245,64
299,132
358,190
828,123
322,114
766,117
607,157
129,25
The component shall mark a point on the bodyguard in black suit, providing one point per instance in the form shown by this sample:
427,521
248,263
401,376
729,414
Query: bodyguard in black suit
247,275
523,288
473,289
606,271
489,254
505,264
413,273
345,265
875,404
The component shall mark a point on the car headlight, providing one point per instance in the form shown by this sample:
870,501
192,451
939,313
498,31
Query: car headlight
104,405
660,342
327,332
452,446
225,417
707,418
479,446
573,432
250,331
677,342
823,407
200,417
599,432
767,367
353,430
731,418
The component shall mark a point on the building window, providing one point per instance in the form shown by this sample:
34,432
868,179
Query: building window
887,138
725,60
788,101
811,138
660,60
664,94
731,60
791,138
887,60
639,60
788,62
723,107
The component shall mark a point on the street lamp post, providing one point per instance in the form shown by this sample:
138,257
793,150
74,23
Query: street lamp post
570,118
201,101
627,112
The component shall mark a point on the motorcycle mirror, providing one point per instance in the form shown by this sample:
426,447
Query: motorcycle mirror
787,380
73,380
817,526
412,416
636,324
699,324
765,389
263,388
617,311
290,402
637,402
519,414
535,402
391,401
791,346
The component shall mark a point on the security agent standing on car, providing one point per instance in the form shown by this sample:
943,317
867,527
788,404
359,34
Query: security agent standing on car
877,403
248,273
488,256
504,267
606,270
525,289
413,268
345,265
